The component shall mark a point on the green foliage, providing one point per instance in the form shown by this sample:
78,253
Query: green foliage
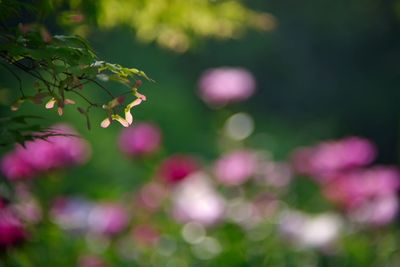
175,25
61,66
18,129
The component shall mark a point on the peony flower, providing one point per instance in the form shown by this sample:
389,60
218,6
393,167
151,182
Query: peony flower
235,168
329,157
195,199
62,148
349,189
140,140
15,167
177,168
368,196
225,85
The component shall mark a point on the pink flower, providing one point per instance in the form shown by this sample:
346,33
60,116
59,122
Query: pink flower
220,86
66,147
15,167
368,195
140,140
61,149
177,168
108,219
378,211
329,157
236,168
354,187
12,231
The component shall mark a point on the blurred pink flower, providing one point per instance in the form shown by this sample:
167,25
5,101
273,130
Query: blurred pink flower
140,140
12,231
368,195
353,187
64,149
224,85
236,167
15,167
108,218
195,199
328,157
61,150
176,168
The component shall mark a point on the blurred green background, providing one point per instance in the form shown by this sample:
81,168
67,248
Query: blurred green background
329,69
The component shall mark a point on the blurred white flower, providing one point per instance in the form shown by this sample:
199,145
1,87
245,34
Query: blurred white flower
313,231
378,211
195,199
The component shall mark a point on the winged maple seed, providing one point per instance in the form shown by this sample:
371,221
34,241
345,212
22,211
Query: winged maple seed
60,104
128,120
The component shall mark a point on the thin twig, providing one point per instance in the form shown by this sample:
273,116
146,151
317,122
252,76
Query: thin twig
101,86
85,98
